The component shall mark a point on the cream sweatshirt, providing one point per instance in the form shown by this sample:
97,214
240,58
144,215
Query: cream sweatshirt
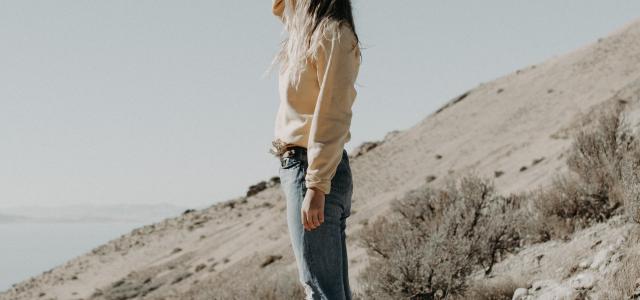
317,114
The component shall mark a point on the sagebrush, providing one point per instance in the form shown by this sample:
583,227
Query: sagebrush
433,239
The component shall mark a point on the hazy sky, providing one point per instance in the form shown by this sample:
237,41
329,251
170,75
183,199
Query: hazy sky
163,101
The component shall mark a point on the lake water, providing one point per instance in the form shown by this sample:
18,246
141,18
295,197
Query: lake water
28,249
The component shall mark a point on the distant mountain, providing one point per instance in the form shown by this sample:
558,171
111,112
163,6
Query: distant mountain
12,219
91,213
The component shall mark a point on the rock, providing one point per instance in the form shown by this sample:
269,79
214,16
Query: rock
270,259
273,181
200,267
584,264
558,293
188,211
118,283
452,102
583,281
537,161
539,258
212,268
390,135
617,257
364,148
551,290
181,277
543,284
520,294
256,188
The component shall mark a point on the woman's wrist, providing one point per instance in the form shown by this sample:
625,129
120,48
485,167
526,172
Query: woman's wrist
315,189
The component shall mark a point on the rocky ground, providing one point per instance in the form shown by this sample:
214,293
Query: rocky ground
579,267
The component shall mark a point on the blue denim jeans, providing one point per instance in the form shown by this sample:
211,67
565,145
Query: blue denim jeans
321,253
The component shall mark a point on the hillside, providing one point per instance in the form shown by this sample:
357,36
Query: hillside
514,129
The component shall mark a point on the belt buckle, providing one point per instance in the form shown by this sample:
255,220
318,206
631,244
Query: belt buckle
290,151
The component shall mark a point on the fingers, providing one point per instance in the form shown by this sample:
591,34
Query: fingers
312,219
304,220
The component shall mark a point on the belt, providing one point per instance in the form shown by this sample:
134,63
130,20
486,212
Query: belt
295,151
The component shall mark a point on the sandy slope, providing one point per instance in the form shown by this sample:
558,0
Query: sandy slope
503,125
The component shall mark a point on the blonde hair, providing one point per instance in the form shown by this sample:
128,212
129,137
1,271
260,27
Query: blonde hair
303,40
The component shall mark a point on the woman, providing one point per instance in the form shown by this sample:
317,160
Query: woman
319,62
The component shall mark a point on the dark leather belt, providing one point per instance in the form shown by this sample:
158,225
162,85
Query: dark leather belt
295,151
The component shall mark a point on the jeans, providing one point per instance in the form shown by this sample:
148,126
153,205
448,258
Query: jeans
321,253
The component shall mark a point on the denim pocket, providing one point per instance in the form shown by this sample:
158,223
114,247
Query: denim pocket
289,162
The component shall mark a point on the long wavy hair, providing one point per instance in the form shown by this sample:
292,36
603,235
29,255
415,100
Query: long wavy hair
307,22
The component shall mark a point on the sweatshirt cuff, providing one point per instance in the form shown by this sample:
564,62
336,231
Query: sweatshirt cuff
314,181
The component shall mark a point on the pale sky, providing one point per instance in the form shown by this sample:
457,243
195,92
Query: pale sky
153,101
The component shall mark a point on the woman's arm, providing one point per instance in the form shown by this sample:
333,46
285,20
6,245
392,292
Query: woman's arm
337,68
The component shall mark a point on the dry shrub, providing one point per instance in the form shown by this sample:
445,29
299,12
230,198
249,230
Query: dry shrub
560,210
597,156
433,239
631,184
622,283
286,287
273,284
598,151
598,186
498,288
